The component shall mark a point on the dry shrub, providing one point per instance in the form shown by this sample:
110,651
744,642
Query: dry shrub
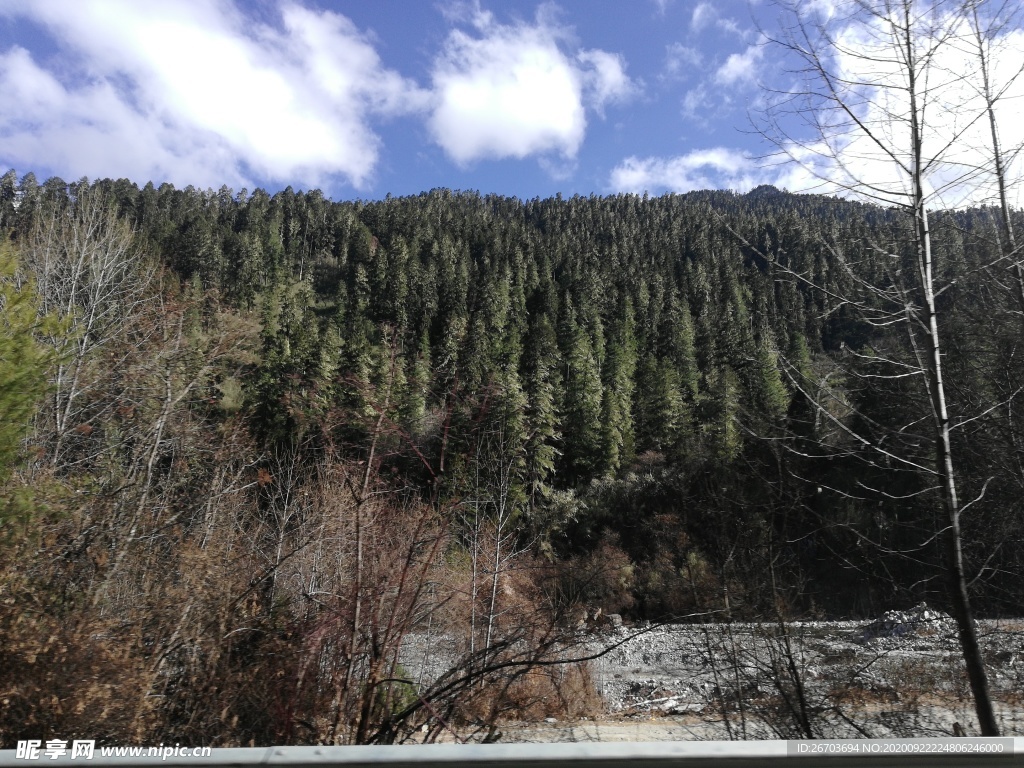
161,650
604,578
530,694
379,583
69,679
246,626
509,663
565,692
65,672
209,603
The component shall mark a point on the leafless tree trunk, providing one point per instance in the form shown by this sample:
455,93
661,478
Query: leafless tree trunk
490,530
875,88
983,33
88,270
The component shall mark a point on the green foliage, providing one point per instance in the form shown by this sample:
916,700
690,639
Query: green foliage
542,385
596,339
722,424
771,392
25,365
619,385
581,424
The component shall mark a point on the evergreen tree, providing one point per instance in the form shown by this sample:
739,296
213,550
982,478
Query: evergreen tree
8,199
722,414
542,378
582,430
617,405
25,363
771,394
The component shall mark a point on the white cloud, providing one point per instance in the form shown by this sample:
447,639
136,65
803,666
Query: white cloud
680,60
92,131
605,80
957,139
703,15
557,167
717,168
191,92
740,68
511,94
706,14
727,87
511,91
824,9
731,27
696,102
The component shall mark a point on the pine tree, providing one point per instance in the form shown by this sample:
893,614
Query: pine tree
722,413
662,414
25,363
619,385
542,378
8,199
772,395
583,456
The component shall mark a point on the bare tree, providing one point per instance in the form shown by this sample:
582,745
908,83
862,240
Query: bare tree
876,89
89,271
490,527
987,23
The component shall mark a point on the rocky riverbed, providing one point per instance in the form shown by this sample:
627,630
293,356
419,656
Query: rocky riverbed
898,676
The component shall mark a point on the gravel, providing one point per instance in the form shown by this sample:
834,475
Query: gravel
897,676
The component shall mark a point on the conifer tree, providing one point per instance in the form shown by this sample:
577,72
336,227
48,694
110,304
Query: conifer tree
583,457
617,405
25,363
542,381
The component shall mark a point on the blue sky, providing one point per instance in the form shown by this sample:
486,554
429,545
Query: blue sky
363,98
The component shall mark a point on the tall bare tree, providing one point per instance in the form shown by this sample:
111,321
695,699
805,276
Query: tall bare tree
987,23
875,86
89,271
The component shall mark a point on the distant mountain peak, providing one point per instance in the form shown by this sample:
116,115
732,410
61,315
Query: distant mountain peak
765,190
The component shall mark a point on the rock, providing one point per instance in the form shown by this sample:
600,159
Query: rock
668,705
896,624
615,620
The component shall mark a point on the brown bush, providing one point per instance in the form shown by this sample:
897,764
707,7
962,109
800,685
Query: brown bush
604,578
69,679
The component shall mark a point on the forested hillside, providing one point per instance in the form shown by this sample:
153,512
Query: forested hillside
278,434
